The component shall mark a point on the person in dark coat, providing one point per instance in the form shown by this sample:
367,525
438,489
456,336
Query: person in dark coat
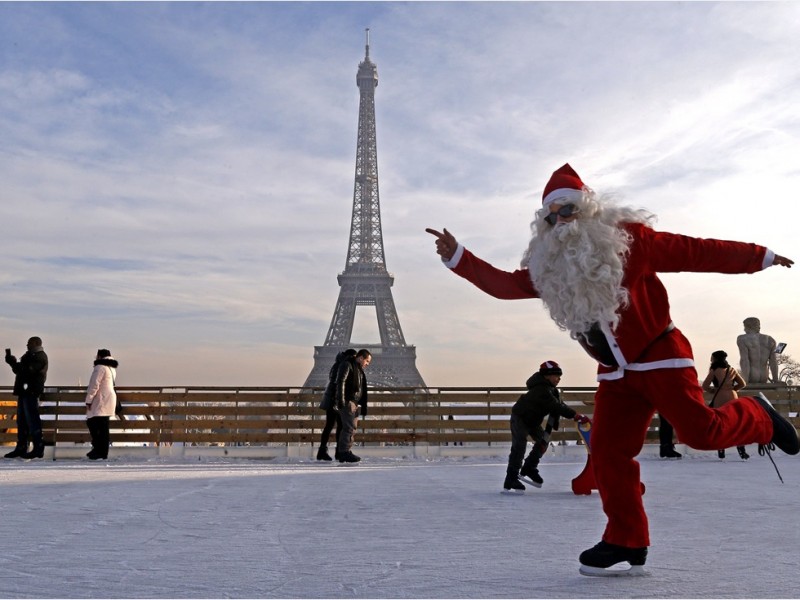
328,404
31,373
540,401
351,396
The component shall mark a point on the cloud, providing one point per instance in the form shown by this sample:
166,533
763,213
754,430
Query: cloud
178,178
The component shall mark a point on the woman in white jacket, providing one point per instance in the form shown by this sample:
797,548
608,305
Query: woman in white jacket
101,402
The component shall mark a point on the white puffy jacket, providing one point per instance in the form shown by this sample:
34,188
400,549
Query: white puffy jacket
101,398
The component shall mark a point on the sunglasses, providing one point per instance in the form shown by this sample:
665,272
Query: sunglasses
565,211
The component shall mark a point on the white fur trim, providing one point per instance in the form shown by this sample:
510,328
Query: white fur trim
562,196
769,258
453,262
669,363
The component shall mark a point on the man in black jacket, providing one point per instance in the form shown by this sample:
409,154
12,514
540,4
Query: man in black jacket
351,393
540,401
31,373
328,404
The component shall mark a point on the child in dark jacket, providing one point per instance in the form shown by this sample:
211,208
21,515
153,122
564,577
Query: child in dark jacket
540,401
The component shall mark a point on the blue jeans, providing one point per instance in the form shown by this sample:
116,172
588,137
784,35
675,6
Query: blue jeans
29,423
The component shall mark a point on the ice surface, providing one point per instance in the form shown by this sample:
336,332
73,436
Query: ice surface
386,528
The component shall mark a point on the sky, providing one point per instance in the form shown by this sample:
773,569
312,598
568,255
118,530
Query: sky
387,528
177,178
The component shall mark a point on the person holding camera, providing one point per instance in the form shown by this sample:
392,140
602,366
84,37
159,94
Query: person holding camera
101,403
31,373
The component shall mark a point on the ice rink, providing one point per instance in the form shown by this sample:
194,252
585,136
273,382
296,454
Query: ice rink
386,528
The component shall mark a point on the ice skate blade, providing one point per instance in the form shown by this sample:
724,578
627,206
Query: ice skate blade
529,481
513,492
617,570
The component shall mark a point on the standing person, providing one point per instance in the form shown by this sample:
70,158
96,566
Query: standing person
757,357
351,396
101,403
328,404
541,400
595,266
31,373
724,382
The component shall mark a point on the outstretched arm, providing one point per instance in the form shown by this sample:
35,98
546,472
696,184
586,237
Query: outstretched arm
495,282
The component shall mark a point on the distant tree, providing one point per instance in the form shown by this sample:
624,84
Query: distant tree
788,369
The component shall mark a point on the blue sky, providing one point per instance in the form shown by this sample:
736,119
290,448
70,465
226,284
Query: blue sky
177,178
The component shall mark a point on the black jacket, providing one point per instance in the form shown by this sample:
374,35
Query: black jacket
541,400
30,371
329,397
351,385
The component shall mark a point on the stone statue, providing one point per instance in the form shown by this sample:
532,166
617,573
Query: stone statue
758,360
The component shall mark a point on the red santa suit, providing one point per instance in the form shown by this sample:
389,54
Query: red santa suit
645,365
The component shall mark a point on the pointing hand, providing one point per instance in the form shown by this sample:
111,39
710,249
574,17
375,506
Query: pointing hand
446,244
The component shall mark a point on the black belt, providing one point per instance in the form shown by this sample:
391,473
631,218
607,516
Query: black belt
596,345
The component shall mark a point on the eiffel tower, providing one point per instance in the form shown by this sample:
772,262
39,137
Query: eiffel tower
365,280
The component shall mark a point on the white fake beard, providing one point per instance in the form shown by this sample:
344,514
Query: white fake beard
577,268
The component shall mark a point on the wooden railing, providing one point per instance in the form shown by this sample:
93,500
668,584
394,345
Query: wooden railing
290,415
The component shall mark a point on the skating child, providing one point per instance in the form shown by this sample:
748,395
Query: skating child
540,401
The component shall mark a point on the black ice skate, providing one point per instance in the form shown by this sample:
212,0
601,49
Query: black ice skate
601,561
531,477
742,452
512,485
784,435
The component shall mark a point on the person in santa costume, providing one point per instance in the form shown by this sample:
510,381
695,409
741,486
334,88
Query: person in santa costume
595,266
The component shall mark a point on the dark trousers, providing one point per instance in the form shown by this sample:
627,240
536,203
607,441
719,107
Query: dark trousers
519,442
98,429
349,422
331,418
29,423
665,434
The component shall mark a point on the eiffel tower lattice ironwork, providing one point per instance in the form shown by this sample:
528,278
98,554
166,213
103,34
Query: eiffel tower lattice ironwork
365,280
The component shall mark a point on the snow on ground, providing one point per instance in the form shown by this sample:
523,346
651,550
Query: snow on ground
386,528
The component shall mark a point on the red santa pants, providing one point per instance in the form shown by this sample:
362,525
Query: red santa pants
623,411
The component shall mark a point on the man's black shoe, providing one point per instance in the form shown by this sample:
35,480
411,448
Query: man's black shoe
348,457
37,452
670,453
784,435
322,454
17,452
597,560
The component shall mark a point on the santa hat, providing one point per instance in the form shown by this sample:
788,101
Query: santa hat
550,367
565,186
